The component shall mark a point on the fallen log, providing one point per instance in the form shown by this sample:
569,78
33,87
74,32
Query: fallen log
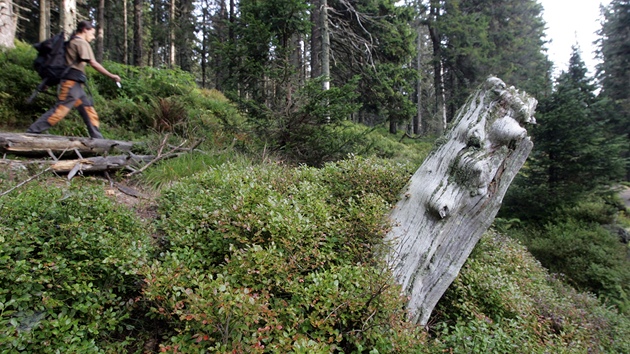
454,196
91,164
24,144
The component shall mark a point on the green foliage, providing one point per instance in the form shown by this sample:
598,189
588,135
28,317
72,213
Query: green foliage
504,301
142,83
384,32
613,72
574,156
70,279
18,79
172,170
213,111
591,258
149,100
474,39
276,259
310,129
284,253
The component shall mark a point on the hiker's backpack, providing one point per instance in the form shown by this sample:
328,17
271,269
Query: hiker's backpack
50,62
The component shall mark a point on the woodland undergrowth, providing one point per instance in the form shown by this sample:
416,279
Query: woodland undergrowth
240,248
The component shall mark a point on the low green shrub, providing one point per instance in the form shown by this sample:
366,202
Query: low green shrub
70,277
589,256
358,175
266,259
504,301
595,209
172,170
18,79
142,83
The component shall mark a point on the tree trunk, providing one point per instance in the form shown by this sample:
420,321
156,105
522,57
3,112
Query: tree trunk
137,32
316,39
205,18
100,30
438,69
8,24
454,196
185,30
417,123
125,33
393,127
172,26
232,43
325,45
155,43
44,20
68,16
42,145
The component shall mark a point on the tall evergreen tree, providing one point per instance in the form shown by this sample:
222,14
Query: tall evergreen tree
374,40
186,25
473,39
516,31
138,28
614,71
573,155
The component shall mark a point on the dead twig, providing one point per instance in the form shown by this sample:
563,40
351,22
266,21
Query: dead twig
406,135
160,157
163,144
25,182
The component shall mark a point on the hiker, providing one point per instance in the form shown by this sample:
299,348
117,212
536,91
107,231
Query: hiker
71,92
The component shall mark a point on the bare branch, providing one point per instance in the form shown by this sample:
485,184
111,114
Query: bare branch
25,182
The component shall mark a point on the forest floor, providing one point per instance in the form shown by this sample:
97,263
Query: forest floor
625,196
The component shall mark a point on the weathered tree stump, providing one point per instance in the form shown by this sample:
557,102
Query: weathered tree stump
41,145
454,196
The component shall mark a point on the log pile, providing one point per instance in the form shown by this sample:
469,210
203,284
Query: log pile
68,154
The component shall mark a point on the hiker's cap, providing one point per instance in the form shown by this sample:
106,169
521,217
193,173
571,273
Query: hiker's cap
84,25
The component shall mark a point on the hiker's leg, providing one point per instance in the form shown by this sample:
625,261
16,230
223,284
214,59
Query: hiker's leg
65,102
86,108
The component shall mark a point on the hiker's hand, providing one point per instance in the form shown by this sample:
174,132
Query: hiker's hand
116,78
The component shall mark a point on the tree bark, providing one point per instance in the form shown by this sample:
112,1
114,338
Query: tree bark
137,33
44,20
8,24
454,196
100,30
316,39
125,33
68,16
438,68
205,18
417,123
172,26
155,43
325,45
42,145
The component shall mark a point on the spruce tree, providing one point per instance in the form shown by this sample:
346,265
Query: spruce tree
474,39
614,71
574,156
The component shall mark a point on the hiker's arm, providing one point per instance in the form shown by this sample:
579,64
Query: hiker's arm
98,67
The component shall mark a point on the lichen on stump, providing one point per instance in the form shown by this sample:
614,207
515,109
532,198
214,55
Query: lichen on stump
454,196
